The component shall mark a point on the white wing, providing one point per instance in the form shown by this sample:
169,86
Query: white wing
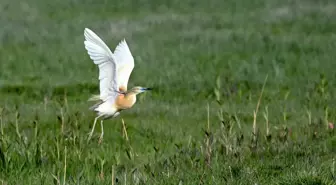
125,61
103,57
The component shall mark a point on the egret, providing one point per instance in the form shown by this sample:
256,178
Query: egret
114,72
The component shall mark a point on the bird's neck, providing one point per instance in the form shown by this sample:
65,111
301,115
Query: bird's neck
130,95
131,98
126,100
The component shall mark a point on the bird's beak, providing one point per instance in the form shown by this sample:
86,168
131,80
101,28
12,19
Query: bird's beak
147,89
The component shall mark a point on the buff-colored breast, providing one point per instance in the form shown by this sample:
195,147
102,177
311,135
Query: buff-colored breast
125,101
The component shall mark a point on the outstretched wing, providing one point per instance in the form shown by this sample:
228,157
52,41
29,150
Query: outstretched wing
103,57
125,61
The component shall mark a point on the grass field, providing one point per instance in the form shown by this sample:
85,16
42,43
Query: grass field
207,60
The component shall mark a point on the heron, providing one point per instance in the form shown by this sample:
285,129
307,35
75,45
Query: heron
115,69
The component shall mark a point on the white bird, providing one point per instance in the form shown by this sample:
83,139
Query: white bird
114,72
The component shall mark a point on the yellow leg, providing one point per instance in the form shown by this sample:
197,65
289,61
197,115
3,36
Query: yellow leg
94,125
102,131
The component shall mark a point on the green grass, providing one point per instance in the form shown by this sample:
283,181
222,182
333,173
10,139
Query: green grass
207,61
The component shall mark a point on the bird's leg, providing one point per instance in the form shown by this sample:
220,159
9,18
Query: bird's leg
124,129
94,125
102,132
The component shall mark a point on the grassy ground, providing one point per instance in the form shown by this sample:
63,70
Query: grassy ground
207,60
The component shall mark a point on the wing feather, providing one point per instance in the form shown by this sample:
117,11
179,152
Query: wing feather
125,61
104,58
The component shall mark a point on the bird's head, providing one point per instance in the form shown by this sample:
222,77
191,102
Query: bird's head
138,89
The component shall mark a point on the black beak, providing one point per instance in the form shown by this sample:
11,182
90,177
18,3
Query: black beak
148,89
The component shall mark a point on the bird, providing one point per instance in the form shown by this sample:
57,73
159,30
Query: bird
115,69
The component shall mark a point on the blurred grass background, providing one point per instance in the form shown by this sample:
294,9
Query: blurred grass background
193,53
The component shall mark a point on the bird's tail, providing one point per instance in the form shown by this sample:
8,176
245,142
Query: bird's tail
94,98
